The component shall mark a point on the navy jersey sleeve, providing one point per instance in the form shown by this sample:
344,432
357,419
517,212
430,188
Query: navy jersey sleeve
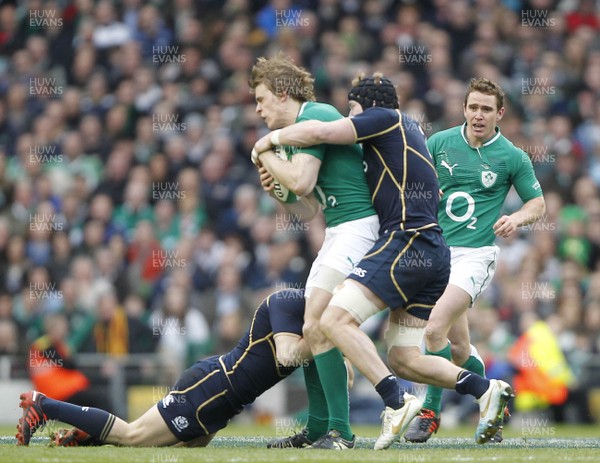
286,311
374,122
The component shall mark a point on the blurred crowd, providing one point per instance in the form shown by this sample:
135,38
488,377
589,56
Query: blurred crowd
130,208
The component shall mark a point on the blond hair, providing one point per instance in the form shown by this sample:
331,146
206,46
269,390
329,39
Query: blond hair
282,77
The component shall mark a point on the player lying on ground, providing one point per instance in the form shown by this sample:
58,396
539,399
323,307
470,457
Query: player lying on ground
204,398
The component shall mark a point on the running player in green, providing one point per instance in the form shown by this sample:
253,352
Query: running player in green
476,166
333,175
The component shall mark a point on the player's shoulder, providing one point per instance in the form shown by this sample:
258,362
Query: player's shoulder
319,111
511,151
377,112
446,136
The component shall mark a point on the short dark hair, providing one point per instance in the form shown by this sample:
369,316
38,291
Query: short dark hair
487,87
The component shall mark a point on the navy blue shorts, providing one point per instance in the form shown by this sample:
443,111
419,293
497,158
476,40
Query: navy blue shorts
406,269
199,403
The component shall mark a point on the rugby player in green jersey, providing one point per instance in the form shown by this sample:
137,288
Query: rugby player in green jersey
476,166
333,175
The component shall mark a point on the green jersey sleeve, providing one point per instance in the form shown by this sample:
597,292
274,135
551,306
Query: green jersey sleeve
524,180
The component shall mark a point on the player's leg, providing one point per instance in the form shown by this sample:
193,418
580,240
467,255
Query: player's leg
330,369
467,357
344,246
408,361
448,309
472,271
149,429
102,426
351,305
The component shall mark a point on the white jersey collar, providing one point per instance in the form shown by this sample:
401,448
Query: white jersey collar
463,131
301,109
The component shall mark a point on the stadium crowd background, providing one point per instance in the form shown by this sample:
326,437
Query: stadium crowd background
129,205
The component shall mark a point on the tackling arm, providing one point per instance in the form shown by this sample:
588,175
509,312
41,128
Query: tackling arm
309,133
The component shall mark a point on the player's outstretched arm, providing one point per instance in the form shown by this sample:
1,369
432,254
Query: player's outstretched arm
531,212
309,133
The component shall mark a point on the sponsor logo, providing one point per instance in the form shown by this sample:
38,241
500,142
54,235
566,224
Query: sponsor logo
359,272
448,166
168,400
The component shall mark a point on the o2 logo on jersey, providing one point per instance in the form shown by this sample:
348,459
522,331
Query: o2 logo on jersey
468,214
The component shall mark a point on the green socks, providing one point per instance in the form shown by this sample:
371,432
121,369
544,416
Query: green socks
433,400
334,379
318,418
474,363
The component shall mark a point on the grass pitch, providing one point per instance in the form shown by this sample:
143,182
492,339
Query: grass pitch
239,443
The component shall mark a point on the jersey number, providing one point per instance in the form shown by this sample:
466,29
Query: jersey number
330,201
469,212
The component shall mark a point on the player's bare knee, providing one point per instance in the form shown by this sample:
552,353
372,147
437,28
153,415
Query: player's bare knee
434,335
309,328
327,323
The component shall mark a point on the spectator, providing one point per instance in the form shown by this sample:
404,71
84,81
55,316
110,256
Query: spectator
182,331
115,333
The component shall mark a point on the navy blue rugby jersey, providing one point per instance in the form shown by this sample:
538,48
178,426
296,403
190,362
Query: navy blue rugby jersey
251,367
399,168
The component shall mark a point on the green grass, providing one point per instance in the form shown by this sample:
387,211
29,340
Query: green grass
238,443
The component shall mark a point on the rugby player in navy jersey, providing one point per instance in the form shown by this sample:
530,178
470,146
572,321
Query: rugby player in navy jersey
407,269
204,398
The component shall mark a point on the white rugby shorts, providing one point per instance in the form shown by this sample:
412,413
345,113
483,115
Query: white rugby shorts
343,248
472,269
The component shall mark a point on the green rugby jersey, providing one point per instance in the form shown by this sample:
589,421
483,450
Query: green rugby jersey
341,186
475,182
